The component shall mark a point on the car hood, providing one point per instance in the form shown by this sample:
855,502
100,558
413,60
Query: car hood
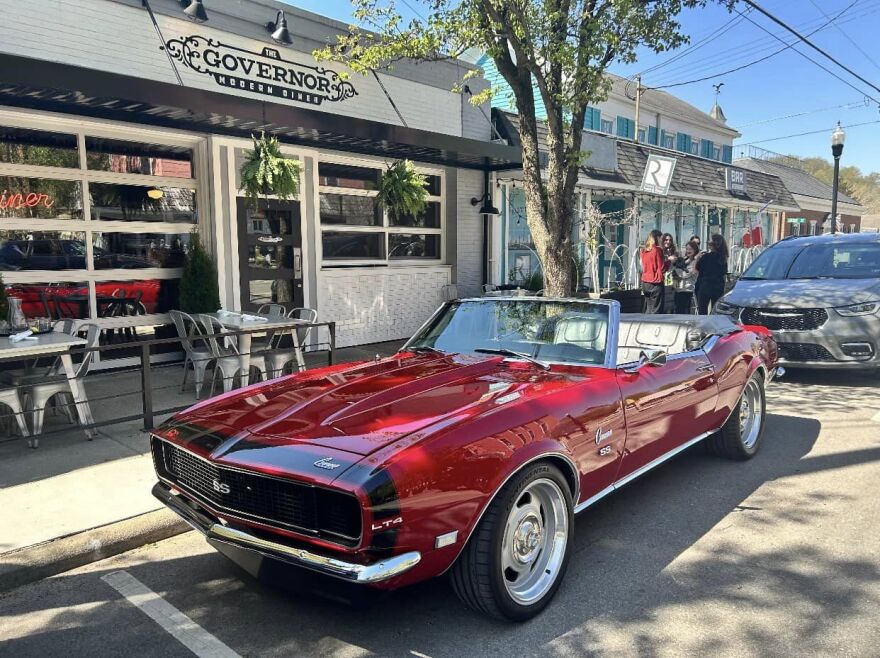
804,293
362,408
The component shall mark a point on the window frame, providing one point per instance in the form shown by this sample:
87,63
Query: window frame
672,138
603,122
385,227
82,128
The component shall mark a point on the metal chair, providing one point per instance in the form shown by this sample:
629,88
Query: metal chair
272,310
10,397
278,358
41,390
195,347
227,358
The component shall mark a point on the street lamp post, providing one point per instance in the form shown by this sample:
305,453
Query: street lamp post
837,139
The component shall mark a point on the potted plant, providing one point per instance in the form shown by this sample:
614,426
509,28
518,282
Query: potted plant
199,292
403,191
266,171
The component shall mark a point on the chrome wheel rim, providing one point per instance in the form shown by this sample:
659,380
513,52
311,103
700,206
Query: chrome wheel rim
750,414
534,543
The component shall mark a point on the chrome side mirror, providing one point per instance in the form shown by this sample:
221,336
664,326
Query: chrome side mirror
653,358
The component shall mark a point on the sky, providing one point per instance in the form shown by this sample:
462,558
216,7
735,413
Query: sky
772,100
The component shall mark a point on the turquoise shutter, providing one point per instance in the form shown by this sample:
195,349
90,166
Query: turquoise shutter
706,147
621,127
727,154
681,142
652,135
626,128
593,119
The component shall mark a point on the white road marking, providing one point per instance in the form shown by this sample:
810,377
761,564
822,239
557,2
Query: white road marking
179,626
876,417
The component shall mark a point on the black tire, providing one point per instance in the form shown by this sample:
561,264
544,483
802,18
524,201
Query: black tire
729,441
477,576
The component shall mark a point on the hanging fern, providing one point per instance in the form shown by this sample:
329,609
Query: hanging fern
266,171
403,191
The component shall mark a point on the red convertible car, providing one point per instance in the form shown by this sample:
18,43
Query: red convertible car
470,450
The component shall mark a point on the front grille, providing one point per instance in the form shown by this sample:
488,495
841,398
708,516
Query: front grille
804,352
293,505
785,319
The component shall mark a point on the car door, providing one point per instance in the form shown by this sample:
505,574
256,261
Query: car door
665,406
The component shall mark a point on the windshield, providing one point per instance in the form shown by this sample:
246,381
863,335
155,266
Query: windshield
854,260
549,331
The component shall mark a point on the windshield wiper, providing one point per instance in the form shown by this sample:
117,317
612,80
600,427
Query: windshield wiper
506,352
424,348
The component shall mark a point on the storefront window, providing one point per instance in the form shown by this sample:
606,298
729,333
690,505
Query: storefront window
40,198
138,158
23,146
24,250
138,203
522,261
270,256
350,210
649,218
406,245
52,300
353,246
347,176
138,250
428,219
138,297
270,291
691,223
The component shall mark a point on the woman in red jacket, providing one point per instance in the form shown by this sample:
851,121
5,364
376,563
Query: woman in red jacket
652,272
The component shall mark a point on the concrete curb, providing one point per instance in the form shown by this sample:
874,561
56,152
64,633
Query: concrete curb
33,563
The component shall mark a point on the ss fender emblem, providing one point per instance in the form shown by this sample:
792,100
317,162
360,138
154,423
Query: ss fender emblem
384,525
604,451
220,487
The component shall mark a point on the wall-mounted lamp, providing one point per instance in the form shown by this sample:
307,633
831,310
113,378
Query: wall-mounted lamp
277,30
487,208
194,10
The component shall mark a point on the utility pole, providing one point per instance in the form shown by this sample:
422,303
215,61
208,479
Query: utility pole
638,103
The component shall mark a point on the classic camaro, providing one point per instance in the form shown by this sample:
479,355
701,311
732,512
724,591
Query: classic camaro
469,450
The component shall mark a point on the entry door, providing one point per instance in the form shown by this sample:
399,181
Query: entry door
270,254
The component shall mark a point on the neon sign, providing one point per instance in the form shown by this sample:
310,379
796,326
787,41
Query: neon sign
19,201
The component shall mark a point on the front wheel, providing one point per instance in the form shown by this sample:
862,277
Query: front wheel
740,437
514,561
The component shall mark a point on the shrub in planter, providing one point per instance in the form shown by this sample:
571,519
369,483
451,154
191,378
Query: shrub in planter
266,171
403,191
199,291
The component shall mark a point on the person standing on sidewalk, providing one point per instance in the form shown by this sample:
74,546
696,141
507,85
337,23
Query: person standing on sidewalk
653,265
711,273
685,274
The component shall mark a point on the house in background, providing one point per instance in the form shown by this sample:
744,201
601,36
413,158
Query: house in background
811,194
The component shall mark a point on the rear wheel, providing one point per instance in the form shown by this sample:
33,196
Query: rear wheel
740,437
514,561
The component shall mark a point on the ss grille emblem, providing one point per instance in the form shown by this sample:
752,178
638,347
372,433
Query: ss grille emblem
327,464
220,487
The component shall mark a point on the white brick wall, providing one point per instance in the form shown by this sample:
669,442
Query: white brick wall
374,305
469,235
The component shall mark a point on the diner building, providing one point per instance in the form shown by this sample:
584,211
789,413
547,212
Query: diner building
123,127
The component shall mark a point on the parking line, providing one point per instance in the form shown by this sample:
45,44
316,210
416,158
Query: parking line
179,626
876,417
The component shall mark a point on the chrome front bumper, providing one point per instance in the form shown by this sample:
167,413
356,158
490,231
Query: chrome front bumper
352,572
776,372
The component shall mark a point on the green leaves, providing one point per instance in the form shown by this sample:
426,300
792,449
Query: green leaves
199,291
403,191
266,171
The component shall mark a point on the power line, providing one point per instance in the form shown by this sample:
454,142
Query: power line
811,132
847,37
821,66
758,47
773,18
848,106
697,44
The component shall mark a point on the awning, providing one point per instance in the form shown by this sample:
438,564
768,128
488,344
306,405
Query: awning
42,85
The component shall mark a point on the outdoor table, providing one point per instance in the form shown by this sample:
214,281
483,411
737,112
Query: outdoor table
236,322
54,344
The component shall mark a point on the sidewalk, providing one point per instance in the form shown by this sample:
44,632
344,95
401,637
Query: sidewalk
69,486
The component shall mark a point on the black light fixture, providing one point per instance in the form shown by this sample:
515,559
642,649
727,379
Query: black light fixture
194,10
277,30
487,208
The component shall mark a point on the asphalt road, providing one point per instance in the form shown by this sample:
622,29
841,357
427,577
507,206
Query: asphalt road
776,556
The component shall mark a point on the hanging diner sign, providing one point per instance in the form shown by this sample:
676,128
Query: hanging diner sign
264,73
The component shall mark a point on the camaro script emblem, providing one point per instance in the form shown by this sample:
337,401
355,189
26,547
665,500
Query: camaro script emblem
601,436
327,463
